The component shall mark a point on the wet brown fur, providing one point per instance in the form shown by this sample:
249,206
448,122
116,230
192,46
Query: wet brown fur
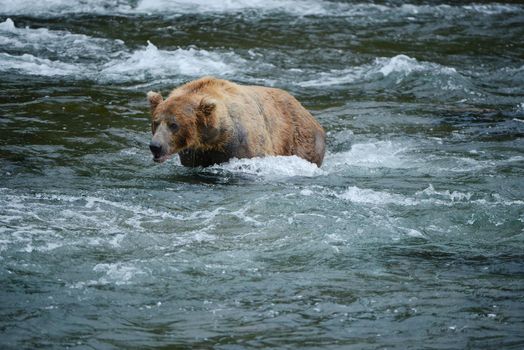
218,120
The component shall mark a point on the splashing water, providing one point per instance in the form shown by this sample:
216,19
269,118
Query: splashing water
411,231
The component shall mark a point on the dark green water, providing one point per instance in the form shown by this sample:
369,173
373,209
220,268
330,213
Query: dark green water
410,236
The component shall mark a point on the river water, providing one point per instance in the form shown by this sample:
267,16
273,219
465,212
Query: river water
410,235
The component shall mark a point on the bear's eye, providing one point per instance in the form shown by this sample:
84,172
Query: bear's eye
173,126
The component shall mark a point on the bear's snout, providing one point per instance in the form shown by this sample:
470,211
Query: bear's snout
156,149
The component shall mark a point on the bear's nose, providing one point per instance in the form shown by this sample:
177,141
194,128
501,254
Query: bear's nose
156,148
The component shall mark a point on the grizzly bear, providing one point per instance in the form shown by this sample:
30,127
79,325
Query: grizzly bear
209,121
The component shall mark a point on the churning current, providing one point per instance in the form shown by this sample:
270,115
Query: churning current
409,236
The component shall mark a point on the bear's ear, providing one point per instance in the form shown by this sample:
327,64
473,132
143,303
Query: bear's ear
207,106
154,99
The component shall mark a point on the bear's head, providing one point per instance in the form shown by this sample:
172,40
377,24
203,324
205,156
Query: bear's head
182,122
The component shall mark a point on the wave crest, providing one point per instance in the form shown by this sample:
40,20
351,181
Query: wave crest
29,64
152,63
272,167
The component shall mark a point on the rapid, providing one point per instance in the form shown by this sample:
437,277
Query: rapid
409,236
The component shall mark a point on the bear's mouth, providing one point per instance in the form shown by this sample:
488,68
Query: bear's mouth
161,159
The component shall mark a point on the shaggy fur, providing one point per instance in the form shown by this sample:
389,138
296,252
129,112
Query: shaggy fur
209,121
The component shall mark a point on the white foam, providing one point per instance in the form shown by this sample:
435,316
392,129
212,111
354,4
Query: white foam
367,196
412,232
143,64
173,7
371,12
60,7
398,67
335,77
31,65
118,273
397,64
273,167
148,63
379,154
152,63
49,246
112,221
306,192
300,7
427,196
241,214
454,196
316,8
43,42
8,26
460,10
515,159
456,11
453,164
405,65
493,9
61,43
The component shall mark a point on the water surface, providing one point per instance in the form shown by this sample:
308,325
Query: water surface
410,235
